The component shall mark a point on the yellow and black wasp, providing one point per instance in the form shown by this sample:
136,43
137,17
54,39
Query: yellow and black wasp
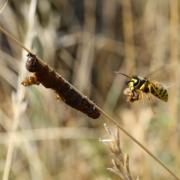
138,86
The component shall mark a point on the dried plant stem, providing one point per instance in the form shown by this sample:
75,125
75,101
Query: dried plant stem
174,57
49,134
2,6
174,31
120,160
110,119
128,34
37,167
14,39
129,49
86,50
18,98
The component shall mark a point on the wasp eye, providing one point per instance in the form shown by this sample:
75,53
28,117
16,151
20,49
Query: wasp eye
135,82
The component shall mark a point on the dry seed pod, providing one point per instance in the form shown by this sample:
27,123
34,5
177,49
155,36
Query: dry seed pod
43,74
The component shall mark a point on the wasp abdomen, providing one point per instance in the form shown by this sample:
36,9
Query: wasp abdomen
159,91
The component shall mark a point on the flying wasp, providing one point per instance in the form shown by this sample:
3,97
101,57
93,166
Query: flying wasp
139,86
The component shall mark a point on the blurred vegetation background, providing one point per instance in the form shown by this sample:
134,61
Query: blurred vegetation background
86,41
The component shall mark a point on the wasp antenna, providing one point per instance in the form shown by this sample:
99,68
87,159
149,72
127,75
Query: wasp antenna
123,74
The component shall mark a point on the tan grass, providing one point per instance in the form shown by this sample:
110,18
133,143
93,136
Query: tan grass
120,160
19,106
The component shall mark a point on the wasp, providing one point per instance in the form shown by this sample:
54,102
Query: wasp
138,86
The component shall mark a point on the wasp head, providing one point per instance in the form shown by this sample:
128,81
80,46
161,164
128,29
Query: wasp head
136,82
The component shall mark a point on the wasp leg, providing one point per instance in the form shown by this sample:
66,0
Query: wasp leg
135,96
129,94
28,81
132,95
